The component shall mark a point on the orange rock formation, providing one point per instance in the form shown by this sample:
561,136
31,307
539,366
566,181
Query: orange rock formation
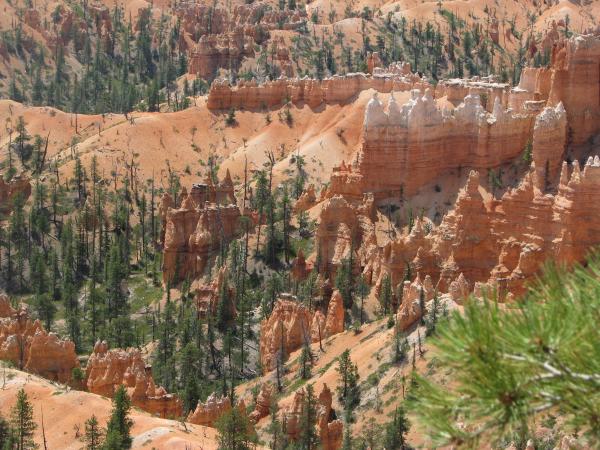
220,37
329,428
337,89
208,413
207,216
503,242
291,325
108,369
31,348
263,403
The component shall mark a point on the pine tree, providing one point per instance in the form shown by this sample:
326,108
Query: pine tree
401,347
422,306
385,298
94,435
233,430
305,362
190,372
308,439
6,435
118,430
22,422
44,304
348,390
509,365
396,430
344,282
279,439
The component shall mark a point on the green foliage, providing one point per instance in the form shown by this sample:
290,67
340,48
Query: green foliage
94,434
401,348
348,388
527,156
22,423
344,282
118,430
234,431
511,364
6,435
305,362
230,120
385,297
308,438
396,430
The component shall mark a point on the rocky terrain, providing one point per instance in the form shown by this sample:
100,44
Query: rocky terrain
275,251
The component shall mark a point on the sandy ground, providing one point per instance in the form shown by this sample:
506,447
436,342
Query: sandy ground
65,413
184,140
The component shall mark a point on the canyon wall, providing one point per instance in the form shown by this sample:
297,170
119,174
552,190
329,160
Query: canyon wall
108,369
220,38
31,348
503,242
406,147
292,325
409,146
207,218
312,92
328,427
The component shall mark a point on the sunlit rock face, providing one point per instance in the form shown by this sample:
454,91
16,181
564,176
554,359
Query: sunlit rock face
106,370
29,347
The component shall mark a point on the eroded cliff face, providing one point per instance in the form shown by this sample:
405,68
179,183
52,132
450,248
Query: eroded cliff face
329,428
292,325
503,242
208,216
219,37
107,369
405,147
482,239
31,348
9,191
312,92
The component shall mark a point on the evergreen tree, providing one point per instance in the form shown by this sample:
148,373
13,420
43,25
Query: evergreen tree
118,429
308,438
22,422
385,298
396,430
190,372
305,362
233,430
344,282
5,434
509,365
94,435
348,389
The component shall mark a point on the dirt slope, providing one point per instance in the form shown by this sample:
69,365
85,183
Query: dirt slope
65,412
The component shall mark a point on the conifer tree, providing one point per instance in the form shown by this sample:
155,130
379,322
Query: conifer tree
6,435
396,430
305,362
118,430
22,422
385,298
233,430
509,365
348,389
308,439
94,435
